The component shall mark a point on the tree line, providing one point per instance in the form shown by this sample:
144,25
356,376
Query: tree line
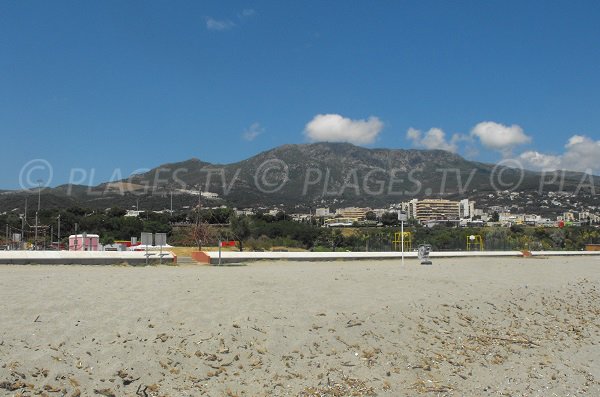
206,227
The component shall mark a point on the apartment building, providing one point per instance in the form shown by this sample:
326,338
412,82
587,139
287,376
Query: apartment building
433,209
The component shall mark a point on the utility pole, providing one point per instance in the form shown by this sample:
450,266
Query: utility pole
199,198
402,217
402,233
171,202
39,181
7,236
198,207
22,229
36,231
23,221
58,233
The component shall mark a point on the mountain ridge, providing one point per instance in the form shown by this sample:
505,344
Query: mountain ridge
320,174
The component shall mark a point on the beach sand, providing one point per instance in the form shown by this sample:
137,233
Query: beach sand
464,327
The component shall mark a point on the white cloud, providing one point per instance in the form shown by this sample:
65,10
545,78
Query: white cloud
335,128
540,161
253,131
576,140
471,152
500,137
581,154
435,138
247,13
219,25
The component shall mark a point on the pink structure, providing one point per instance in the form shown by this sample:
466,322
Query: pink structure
81,242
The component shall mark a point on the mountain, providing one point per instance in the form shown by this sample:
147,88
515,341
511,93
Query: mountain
319,174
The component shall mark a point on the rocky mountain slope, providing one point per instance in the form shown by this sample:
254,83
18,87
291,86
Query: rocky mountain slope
311,175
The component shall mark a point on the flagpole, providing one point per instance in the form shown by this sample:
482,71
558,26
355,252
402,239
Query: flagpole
402,238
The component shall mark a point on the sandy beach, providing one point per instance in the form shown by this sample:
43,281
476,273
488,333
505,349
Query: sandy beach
463,327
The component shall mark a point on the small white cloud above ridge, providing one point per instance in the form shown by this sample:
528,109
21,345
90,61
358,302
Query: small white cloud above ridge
253,131
336,128
500,137
581,154
218,24
247,13
434,139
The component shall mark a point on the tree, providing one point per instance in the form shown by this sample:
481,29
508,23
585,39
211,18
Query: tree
495,217
105,240
389,218
116,212
371,216
337,238
201,233
240,228
280,216
517,229
213,216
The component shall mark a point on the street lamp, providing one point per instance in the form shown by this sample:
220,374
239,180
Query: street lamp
35,240
39,181
58,233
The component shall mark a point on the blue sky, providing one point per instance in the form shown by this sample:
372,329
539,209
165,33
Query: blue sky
126,84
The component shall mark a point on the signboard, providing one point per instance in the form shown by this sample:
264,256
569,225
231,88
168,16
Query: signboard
146,238
225,244
402,217
160,239
17,237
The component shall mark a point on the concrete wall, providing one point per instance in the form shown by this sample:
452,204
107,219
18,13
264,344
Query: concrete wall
79,257
212,257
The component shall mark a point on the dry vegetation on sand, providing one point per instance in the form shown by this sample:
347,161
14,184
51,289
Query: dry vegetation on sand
460,327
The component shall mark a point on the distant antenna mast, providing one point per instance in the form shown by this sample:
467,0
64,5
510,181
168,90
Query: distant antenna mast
23,221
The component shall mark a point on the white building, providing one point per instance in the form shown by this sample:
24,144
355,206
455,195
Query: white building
410,208
584,216
467,208
209,195
133,213
322,212
244,212
380,211
353,212
301,217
